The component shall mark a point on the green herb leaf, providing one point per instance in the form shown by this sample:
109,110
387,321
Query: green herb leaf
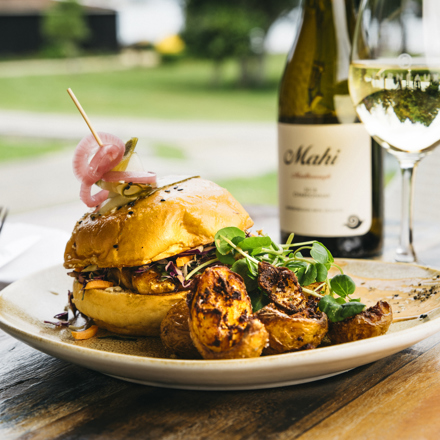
253,268
294,265
241,267
336,311
319,253
298,268
258,300
330,307
300,275
231,233
225,259
257,251
350,309
321,272
309,275
250,243
330,258
271,258
342,285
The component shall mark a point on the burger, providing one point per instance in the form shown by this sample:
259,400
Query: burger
132,263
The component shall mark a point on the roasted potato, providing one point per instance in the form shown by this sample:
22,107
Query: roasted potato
221,322
149,282
374,321
292,332
282,287
174,332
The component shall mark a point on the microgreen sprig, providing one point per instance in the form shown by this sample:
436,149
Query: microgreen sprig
243,254
231,243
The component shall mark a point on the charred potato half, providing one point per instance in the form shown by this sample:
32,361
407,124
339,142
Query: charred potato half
221,322
282,287
303,330
174,332
374,321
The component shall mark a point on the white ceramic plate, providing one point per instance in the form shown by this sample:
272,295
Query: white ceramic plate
25,304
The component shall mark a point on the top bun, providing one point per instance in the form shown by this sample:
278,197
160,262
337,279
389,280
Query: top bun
175,218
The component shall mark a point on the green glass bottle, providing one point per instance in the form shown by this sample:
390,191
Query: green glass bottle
330,171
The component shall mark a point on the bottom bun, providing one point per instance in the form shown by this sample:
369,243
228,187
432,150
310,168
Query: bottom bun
124,312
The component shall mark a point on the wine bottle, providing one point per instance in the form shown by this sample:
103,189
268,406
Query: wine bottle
330,171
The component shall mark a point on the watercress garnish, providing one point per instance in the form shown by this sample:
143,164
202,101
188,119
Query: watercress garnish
244,253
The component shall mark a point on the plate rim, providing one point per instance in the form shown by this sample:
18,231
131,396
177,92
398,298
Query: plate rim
344,351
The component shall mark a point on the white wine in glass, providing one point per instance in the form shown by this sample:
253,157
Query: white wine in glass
394,84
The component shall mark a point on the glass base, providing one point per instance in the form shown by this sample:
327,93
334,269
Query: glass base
405,255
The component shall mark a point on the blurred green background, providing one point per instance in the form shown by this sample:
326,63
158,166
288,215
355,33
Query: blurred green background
188,61
170,90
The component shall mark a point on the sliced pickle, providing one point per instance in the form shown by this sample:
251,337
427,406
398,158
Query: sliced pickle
125,189
129,150
114,202
137,190
144,190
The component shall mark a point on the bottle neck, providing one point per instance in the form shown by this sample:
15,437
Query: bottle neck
324,43
334,19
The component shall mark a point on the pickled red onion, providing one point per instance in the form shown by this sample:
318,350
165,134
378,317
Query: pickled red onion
130,176
106,157
86,195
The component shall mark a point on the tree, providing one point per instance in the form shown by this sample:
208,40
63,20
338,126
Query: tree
222,29
64,27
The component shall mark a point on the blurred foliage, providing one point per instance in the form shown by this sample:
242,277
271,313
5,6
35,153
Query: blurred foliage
219,31
222,29
13,148
64,27
257,190
415,105
168,151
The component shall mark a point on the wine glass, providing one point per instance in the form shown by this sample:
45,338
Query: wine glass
394,84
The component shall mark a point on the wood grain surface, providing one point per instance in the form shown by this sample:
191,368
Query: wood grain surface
42,397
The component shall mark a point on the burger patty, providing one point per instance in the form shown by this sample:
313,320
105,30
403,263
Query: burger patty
144,283
150,282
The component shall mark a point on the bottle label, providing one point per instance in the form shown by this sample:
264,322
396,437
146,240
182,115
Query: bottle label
325,187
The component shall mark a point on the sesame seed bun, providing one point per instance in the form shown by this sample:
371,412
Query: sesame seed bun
158,226
173,219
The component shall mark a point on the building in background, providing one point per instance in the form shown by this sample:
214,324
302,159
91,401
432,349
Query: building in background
114,24
20,27
154,20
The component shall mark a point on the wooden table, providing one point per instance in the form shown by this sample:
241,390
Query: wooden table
396,398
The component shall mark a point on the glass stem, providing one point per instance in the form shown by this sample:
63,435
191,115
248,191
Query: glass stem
405,251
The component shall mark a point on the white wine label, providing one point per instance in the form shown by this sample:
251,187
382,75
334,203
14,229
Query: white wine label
325,187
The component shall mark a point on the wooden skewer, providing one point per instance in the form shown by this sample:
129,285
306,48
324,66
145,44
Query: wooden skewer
83,113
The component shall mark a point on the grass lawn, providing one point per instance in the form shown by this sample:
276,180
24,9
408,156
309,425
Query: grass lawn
167,151
23,148
179,90
261,190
